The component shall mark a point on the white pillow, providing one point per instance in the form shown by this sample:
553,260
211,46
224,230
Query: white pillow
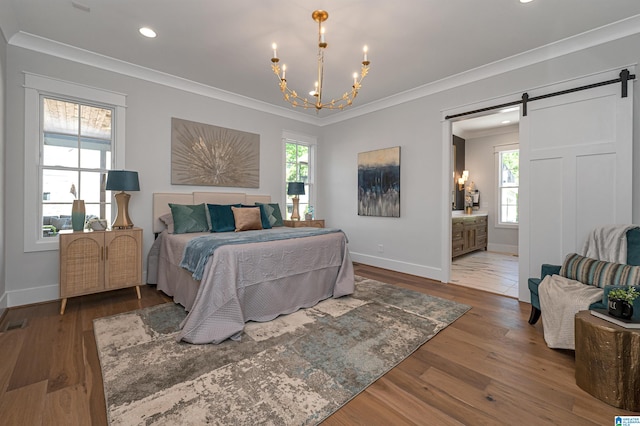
167,219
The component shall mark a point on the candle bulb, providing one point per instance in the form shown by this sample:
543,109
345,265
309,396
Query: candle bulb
322,35
355,78
275,52
284,70
365,50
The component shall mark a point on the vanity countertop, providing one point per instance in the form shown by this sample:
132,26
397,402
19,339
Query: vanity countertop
461,213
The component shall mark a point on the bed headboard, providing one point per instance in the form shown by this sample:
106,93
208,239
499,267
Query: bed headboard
161,202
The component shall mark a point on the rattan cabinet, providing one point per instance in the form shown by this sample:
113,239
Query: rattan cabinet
96,261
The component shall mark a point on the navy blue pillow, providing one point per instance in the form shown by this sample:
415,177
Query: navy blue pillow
222,219
264,216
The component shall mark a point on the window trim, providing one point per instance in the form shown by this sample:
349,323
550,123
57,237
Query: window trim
497,150
35,86
312,143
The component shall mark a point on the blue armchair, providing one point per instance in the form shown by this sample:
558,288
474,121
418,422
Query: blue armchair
633,258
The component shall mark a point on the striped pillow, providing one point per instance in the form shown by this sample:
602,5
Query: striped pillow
598,272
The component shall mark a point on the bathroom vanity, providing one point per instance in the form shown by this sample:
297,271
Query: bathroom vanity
468,232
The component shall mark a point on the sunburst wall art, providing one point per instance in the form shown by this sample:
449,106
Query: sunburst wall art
202,154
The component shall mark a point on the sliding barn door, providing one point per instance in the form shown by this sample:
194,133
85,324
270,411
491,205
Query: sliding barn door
575,170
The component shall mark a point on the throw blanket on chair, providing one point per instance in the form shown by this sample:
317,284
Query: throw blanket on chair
561,298
607,243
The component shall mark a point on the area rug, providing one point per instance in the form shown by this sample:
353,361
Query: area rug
295,370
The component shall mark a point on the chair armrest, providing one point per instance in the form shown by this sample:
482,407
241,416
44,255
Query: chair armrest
548,269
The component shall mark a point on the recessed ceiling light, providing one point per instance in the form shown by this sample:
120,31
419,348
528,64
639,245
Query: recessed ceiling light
147,32
525,1
506,122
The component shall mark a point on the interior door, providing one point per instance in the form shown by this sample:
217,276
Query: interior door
575,170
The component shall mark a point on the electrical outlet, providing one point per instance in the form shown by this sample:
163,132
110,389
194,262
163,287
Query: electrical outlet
380,248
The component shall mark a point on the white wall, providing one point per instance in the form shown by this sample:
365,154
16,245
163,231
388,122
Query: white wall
3,62
33,277
413,242
480,161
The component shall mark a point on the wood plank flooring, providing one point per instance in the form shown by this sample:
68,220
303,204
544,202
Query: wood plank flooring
490,367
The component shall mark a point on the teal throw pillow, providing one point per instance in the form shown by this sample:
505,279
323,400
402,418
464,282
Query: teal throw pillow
189,218
222,219
273,213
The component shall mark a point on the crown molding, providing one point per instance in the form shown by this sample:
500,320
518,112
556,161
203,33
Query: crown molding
614,31
597,36
86,57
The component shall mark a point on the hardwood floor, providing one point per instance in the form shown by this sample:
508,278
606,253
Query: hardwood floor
488,271
490,367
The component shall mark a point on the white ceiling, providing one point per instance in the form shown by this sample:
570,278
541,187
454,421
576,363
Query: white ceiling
227,45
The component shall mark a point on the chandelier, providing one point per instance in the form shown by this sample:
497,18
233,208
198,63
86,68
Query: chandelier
316,102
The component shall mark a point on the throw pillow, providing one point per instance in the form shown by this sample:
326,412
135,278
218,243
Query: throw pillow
598,272
264,217
247,218
167,219
189,218
222,219
273,213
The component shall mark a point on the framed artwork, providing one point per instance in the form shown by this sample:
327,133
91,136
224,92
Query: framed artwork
203,154
379,183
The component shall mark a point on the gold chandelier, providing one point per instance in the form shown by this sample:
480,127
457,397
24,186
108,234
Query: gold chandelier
292,96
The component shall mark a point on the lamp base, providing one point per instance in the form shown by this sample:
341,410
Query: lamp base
295,214
122,220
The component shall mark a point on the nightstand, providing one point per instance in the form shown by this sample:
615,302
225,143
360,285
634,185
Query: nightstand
315,223
96,261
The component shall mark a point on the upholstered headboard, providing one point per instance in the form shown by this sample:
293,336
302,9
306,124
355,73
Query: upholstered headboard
161,202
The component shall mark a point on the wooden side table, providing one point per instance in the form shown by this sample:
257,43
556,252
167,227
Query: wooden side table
97,261
608,361
315,223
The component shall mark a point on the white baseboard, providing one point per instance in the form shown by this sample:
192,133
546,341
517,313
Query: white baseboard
395,265
503,248
3,301
28,296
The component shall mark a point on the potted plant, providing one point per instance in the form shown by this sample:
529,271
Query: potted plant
621,302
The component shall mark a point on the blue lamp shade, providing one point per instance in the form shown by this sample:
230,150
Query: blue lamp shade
122,180
295,188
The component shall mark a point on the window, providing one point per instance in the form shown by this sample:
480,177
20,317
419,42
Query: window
75,156
73,135
299,167
508,161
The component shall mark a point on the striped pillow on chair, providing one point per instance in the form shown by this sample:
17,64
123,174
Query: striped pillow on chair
598,272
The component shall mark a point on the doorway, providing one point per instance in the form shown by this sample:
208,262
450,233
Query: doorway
483,141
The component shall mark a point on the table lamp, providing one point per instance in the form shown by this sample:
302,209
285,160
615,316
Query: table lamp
295,189
122,180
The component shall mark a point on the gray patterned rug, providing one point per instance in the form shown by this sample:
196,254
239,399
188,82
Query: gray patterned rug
297,369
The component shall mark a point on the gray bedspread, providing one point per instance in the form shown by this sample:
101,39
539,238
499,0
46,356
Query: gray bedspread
253,281
198,250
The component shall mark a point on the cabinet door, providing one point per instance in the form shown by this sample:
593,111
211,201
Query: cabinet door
81,264
123,255
457,237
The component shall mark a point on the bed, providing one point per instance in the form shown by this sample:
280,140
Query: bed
247,281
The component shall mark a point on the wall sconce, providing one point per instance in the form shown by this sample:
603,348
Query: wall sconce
463,179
